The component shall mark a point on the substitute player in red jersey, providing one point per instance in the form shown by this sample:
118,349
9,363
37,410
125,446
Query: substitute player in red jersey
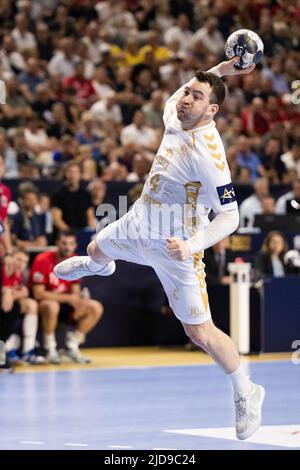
16,301
61,299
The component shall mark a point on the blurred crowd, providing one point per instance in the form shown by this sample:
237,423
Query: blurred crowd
87,80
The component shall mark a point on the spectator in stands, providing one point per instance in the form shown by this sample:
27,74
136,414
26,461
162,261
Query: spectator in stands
11,60
43,102
62,63
97,190
252,205
181,32
66,150
71,195
284,203
22,37
62,300
269,261
243,176
30,79
216,260
275,74
16,110
291,159
87,163
85,93
35,136
88,134
11,165
60,124
208,39
140,134
107,108
140,169
270,158
28,227
44,42
16,301
255,120
154,110
268,205
246,158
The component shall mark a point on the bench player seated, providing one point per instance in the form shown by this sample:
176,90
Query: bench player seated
16,302
61,300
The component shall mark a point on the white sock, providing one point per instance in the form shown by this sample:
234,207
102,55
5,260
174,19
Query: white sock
240,381
30,325
93,266
74,339
13,342
50,342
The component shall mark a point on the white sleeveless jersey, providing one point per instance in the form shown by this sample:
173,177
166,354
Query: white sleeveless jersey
188,178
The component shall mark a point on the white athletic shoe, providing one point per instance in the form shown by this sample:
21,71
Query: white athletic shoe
53,357
76,267
75,355
248,411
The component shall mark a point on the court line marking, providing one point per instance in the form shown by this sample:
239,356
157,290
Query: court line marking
282,435
75,444
32,442
97,369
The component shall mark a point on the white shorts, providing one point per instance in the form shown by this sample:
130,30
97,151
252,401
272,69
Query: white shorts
183,281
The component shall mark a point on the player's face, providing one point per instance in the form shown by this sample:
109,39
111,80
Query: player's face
66,246
194,108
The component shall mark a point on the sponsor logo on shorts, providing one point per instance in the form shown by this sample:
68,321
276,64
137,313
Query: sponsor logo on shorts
226,194
194,311
120,246
175,293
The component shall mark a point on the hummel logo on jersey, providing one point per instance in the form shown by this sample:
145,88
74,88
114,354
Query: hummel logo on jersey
226,193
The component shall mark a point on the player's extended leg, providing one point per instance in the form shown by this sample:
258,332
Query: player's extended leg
86,319
96,264
248,396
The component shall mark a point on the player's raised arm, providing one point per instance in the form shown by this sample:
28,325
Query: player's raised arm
227,68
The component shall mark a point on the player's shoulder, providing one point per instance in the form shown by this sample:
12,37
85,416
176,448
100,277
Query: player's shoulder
46,258
211,146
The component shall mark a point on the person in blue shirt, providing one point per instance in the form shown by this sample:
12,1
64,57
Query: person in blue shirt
245,158
28,227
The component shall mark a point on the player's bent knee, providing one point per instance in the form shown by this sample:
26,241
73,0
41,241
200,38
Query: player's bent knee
30,306
200,334
49,307
96,308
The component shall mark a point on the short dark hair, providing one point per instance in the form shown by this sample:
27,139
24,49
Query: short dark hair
26,188
65,233
218,88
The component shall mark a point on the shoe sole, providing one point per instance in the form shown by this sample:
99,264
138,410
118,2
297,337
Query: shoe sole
254,427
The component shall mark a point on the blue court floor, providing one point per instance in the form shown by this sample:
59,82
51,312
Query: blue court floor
185,407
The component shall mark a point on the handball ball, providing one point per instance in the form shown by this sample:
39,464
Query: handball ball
245,44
